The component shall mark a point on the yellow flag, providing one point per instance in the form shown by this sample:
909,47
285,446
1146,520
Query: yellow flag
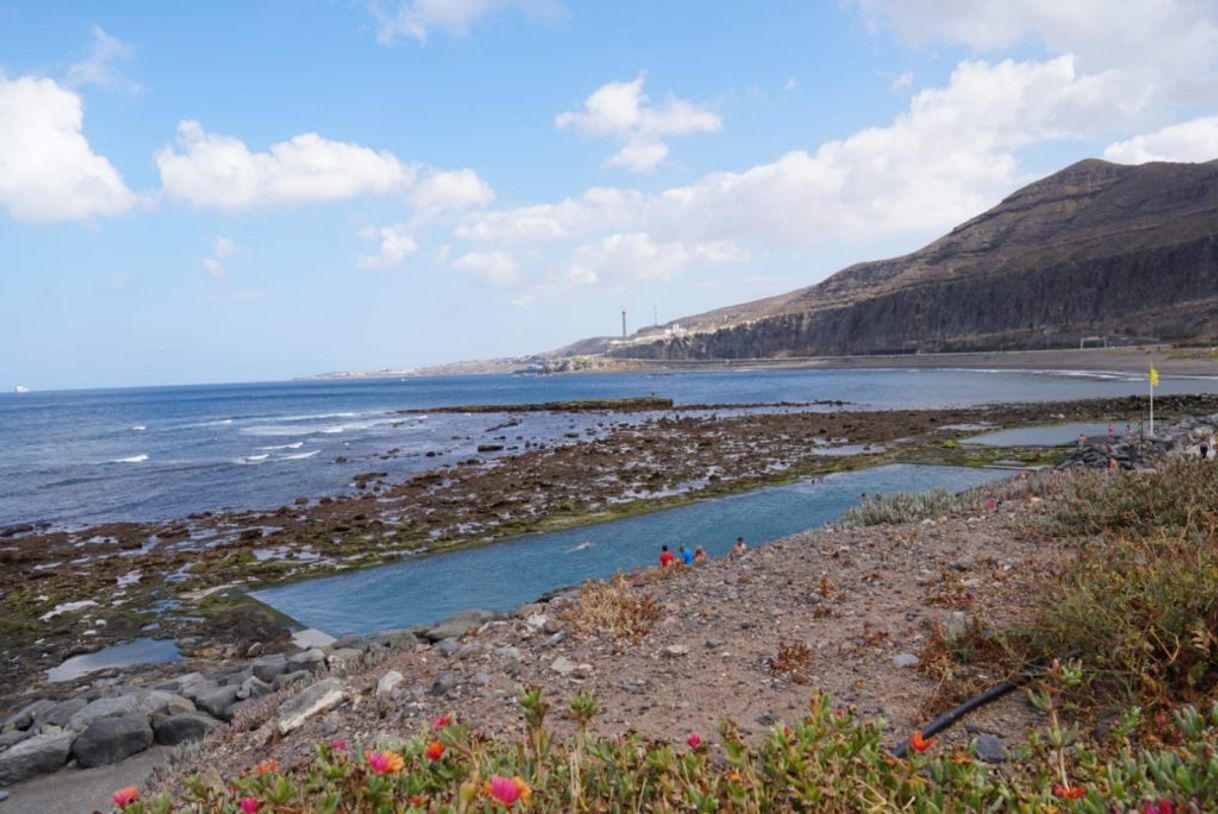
1154,377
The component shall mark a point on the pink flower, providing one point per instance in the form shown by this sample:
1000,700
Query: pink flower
1161,807
385,762
693,741
338,745
125,796
434,750
248,805
507,790
442,721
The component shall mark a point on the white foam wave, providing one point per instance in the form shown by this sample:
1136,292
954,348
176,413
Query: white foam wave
333,430
296,445
139,428
299,456
134,459
249,460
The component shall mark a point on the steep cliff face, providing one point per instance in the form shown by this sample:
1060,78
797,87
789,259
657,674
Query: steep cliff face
1097,248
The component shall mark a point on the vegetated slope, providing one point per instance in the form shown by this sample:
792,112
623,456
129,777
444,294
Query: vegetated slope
1097,248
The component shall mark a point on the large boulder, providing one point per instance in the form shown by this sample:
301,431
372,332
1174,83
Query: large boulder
10,739
189,726
61,713
217,702
457,626
160,702
110,740
311,660
103,708
266,668
41,754
321,697
24,717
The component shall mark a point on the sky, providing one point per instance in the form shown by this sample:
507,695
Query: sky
235,191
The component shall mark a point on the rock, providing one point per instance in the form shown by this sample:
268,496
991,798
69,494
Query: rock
481,679
557,639
508,652
343,657
675,651
388,683
446,647
954,624
61,713
321,697
457,626
714,644
445,683
563,666
254,650
311,660
198,687
551,625
189,726
396,639
312,637
110,740
351,641
290,678
24,717
537,621
40,754
10,739
177,684
266,668
216,702
103,708
905,660
990,748
160,702
253,687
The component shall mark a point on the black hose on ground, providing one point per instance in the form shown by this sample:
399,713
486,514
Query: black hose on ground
956,713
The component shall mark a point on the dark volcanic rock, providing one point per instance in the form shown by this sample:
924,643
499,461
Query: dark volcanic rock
38,755
109,740
189,726
1095,249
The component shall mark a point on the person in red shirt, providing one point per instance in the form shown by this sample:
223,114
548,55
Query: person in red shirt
666,557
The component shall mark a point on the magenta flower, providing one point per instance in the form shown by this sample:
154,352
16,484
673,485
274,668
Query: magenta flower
248,805
693,741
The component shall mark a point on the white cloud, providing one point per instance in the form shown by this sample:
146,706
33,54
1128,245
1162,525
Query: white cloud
48,171
395,246
1195,141
596,209
1168,45
792,84
215,268
621,110
101,66
207,169
451,190
417,18
902,80
498,268
637,257
225,247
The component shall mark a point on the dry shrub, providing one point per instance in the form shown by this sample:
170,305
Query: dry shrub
614,608
950,592
792,658
962,667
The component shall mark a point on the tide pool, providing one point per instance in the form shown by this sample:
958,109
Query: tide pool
503,575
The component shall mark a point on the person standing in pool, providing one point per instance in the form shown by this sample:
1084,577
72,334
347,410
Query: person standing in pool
699,555
687,556
739,548
666,557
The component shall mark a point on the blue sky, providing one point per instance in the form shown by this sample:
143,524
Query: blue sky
255,191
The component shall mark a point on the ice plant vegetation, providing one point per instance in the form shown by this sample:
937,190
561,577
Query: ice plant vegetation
827,761
124,797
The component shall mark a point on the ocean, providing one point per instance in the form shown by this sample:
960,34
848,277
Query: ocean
139,454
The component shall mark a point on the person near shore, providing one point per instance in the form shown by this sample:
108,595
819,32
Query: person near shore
666,557
699,555
1204,449
687,556
739,548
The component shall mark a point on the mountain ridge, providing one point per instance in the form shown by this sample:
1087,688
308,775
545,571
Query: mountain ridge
1097,248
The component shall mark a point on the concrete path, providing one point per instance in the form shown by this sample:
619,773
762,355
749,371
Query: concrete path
82,791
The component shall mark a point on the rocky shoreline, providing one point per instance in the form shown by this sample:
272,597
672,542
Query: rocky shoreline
852,594
72,592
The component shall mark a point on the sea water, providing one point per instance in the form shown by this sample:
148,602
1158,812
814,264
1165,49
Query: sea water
73,457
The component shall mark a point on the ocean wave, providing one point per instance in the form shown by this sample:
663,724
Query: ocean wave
296,445
299,456
133,459
253,459
139,428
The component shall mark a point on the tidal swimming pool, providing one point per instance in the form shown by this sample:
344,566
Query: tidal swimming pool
501,576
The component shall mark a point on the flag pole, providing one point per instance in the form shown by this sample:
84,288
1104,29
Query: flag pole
1152,380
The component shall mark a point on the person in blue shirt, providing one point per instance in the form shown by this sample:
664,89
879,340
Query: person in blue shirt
687,556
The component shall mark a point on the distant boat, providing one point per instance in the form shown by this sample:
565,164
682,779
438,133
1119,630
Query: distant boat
21,388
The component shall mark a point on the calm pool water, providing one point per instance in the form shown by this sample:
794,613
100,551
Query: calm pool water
501,576
139,651
1051,435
